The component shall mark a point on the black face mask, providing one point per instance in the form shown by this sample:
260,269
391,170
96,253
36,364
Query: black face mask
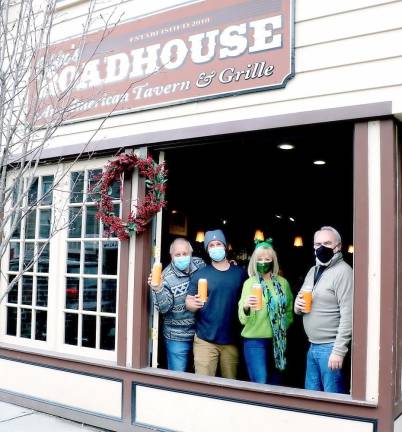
324,254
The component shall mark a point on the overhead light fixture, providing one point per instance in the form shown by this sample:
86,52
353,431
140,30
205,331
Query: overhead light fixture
174,211
259,235
286,146
298,241
319,162
292,219
278,216
351,249
200,236
224,221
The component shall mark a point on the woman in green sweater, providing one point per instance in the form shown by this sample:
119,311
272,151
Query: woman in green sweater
264,332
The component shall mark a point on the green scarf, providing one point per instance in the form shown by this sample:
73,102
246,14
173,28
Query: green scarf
277,305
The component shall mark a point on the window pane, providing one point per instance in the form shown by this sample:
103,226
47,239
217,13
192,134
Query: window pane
28,256
26,321
108,331
41,290
17,231
11,321
109,261
33,193
88,331
43,261
30,226
75,222
72,293
73,257
44,223
13,294
27,284
14,264
77,187
116,190
71,329
94,177
92,223
41,325
116,211
108,303
46,190
91,257
90,290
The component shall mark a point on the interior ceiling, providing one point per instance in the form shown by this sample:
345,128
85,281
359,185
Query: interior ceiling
247,181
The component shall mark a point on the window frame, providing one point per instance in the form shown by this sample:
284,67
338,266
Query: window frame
58,247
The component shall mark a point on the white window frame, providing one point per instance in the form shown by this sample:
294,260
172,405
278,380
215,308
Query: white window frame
57,274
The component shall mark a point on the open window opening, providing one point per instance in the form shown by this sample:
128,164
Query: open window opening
283,184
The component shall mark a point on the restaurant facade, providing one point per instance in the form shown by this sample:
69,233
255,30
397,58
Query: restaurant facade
276,116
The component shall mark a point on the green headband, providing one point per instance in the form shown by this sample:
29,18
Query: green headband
266,243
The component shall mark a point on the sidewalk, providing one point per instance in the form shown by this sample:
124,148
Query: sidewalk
14,418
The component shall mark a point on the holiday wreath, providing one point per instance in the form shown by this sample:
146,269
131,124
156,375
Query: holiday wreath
156,178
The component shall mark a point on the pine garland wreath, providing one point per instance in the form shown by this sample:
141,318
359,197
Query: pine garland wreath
156,178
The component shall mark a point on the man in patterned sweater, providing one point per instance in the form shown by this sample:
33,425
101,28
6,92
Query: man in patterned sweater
169,298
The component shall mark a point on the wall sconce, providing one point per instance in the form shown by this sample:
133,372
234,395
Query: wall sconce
200,236
351,249
298,241
259,235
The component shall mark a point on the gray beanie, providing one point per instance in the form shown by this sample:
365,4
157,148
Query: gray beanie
214,235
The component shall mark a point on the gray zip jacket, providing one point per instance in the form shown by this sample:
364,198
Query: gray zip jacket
330,319
178,322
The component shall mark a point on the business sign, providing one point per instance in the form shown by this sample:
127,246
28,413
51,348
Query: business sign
197,50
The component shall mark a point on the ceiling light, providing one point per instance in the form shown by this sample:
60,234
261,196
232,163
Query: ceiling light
200,236
298,241
224,221
259,235
278,216
291,219
319,162
286,146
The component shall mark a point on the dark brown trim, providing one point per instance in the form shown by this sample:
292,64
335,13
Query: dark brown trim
141,271
398,351
388,275
360,229
123,277
365,111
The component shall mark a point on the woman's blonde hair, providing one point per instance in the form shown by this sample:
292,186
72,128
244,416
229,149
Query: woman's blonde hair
252,265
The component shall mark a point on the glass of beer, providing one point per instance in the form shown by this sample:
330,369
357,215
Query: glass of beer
307,293
256,290
203,289
156,274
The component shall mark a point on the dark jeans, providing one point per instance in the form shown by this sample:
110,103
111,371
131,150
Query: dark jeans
259,361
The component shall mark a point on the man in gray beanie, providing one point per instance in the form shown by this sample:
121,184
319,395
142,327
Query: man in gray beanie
216,323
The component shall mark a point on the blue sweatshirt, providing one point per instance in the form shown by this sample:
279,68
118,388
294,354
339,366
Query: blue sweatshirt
217,320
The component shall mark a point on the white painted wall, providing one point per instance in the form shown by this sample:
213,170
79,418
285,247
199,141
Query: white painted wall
347,53
93,394
398,425
190,413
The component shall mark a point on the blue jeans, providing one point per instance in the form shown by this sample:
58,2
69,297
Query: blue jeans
258,355
177,354
318,375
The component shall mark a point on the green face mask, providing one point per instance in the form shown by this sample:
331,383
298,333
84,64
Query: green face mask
264,267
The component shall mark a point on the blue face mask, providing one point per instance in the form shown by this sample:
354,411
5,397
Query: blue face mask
182,262
217,253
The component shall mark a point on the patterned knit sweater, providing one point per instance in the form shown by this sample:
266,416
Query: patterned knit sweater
178,322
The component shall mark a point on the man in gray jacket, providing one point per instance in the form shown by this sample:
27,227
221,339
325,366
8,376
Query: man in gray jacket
169,298
329,324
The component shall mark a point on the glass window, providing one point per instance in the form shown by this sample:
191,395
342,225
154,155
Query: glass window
92,268
27,301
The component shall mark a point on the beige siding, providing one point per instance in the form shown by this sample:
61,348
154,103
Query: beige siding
347,53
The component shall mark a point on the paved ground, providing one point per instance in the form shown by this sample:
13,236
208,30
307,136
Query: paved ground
17,419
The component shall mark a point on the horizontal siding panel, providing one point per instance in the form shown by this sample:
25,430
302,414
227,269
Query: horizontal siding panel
349,51
361,22
310,9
